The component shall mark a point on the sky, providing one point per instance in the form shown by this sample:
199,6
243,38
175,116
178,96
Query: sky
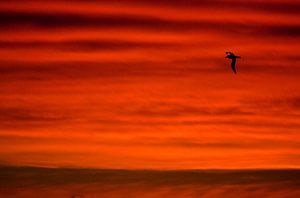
140,84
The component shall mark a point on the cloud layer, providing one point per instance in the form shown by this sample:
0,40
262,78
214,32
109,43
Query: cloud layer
144,84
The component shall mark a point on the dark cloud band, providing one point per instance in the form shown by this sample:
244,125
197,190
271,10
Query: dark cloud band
52,21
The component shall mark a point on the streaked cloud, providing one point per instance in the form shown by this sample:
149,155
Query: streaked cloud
144,84
49,21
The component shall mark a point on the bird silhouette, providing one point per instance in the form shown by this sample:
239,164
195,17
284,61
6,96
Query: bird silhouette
233,57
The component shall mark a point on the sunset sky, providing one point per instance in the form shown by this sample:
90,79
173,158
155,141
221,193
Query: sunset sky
144,84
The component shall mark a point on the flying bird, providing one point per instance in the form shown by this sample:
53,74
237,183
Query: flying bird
233,57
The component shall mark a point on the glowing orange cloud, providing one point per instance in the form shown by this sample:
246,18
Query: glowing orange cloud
140,84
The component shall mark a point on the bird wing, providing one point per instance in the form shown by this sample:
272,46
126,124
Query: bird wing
233,65
230,53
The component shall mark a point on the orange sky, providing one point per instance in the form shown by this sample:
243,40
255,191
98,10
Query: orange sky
144,84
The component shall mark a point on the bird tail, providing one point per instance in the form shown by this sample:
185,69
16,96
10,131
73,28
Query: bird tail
238,57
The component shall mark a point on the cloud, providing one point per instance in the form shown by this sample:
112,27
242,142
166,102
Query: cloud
22,118
164,76
295,102
85,45
11,71
226,144
248,123
14,19
286,7
284,105
263,6
177,110
18,71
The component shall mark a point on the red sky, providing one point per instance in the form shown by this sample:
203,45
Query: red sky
144,84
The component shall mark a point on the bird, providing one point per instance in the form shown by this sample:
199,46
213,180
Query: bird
233,57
